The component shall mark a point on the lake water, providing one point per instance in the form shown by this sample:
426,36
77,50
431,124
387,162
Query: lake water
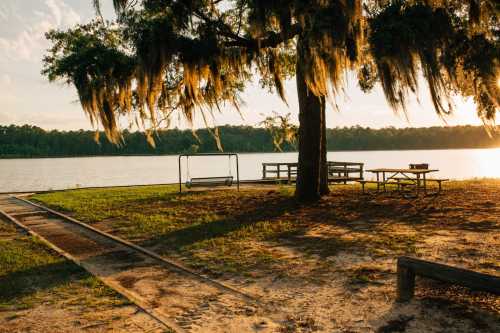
62,173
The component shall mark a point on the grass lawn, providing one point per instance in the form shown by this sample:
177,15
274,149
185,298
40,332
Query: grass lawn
41,290
261,236
224,231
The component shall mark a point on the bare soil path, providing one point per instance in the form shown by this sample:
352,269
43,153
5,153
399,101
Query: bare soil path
182,301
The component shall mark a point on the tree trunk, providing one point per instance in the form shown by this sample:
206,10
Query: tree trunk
312,176
323,185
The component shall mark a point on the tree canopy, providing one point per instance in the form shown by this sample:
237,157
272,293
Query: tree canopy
166,57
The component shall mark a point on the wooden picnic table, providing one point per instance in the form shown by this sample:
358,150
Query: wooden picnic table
417,177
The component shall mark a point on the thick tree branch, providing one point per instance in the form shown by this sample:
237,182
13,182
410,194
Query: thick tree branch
272,40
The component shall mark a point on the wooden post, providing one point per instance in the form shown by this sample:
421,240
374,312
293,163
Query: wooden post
278,174
409,267
425,184
383,179
263,171
406,283
418,184
345,174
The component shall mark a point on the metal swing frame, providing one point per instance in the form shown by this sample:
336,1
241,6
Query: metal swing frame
211,181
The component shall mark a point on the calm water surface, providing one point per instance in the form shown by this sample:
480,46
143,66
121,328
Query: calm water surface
62,173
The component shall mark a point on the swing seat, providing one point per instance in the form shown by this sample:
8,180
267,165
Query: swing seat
210,181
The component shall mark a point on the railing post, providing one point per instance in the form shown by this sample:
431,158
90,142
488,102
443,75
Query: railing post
278,172
263,171
238,171
180,174
345,173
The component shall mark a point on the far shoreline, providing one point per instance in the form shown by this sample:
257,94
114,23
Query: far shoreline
240,153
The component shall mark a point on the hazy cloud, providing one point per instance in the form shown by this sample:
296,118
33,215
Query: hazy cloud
5,119
30,42
3,13
5,80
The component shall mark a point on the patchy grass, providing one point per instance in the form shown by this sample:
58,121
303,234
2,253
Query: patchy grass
345,245
29,272
209,229
41,291
229,232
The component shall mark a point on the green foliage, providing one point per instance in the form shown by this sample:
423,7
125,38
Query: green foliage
29,141
282,130
91,58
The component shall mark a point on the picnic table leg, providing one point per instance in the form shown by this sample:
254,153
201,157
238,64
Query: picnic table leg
378,182
425,184
418,184
384,180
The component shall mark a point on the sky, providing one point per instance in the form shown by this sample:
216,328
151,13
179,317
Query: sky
26,97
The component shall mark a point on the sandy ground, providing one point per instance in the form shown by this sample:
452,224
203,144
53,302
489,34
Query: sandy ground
354,290
53,315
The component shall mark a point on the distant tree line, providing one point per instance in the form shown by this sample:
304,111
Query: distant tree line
31,141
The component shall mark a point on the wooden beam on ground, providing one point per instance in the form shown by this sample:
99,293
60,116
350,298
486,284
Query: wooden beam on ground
409,268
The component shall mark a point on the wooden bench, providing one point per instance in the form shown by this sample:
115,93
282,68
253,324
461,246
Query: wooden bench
439,181
408,268
403,181
363,182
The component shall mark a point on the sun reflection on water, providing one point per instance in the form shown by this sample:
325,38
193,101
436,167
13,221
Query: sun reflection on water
488,163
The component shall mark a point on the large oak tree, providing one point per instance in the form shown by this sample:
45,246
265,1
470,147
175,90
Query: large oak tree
167,57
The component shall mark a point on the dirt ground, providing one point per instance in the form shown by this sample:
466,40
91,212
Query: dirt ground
327,267
59,317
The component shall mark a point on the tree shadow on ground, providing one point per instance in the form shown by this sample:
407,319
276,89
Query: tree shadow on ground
245,212
439,305
23,283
